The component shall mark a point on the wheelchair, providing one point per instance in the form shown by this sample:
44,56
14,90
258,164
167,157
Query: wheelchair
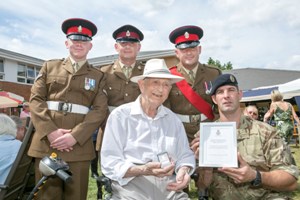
17,182
105,189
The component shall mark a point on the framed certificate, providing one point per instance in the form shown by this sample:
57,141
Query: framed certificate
218,144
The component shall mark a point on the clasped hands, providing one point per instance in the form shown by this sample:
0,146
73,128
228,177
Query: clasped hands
182,177
62,140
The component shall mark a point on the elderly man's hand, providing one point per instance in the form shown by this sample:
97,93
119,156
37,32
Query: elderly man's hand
154,169
182,180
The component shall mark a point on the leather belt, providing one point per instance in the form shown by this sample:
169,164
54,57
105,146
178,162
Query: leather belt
192,118
67,107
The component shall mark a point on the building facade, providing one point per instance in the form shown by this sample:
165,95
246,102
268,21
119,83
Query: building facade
18,71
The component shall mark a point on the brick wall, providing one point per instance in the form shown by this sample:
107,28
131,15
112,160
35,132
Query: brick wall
17,88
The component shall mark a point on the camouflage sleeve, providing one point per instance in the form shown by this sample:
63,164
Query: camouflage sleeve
278,155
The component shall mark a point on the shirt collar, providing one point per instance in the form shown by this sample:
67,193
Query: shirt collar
194,69
7,137
136,109
80,63
122,65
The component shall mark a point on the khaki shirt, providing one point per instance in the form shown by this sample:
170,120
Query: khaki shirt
181,105
262,148
56,82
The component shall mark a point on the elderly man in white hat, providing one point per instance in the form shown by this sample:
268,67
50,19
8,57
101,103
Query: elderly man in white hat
145,151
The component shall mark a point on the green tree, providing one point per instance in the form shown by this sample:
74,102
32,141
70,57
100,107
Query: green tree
217,63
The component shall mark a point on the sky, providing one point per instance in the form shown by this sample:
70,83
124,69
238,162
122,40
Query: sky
249,34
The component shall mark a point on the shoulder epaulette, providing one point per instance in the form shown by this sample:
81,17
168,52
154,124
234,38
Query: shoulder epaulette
56,59
212,67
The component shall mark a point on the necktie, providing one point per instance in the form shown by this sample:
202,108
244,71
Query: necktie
192,75
127,71
75,67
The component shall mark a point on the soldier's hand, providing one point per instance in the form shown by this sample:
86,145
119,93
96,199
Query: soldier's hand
57,133
242,174
196,135
195,147
65,142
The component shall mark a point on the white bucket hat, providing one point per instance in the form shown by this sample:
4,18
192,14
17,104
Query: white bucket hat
157,68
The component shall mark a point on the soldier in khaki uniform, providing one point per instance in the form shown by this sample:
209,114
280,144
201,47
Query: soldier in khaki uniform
118,86
265,170
198,78
67,104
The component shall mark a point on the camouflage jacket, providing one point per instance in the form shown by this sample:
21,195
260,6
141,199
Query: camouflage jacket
260,145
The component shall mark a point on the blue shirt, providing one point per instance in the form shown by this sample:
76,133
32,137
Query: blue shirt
9,148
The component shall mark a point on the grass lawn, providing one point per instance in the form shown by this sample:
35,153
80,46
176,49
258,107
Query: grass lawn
92,192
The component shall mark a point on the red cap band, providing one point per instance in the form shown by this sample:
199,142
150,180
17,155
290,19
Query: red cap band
79,30
126,34
183,38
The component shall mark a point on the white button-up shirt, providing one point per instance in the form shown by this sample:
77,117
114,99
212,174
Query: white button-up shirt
132,138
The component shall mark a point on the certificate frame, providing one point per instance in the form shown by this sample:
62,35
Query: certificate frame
218,144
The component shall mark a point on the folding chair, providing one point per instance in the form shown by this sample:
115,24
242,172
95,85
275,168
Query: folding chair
17,179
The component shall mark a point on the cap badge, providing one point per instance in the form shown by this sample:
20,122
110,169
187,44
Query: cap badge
127,33
232,78
186,35
79,29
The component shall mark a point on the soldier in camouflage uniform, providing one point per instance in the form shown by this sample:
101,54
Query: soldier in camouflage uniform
265,170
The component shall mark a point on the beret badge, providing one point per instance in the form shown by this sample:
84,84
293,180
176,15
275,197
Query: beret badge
232,79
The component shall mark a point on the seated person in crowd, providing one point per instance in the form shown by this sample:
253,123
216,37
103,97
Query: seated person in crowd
21,129
25,111
145,151
265,170
251,111
9,145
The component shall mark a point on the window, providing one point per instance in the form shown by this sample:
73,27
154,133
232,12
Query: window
26,73
1,69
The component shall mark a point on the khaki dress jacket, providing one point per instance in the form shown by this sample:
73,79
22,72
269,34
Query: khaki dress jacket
119,89
56,82
179,104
